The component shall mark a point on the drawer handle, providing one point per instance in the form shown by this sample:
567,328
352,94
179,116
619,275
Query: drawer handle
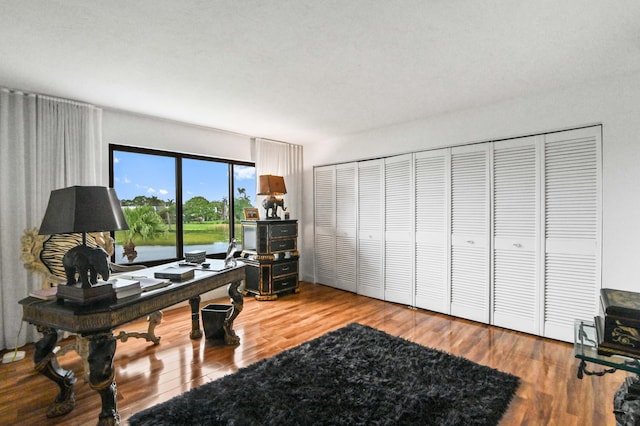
470,242
285,268
518,245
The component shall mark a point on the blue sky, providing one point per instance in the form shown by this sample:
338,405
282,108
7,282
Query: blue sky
142,174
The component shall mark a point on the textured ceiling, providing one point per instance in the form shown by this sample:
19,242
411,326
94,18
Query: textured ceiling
305,71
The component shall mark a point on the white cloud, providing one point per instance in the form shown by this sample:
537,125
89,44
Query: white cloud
163,192
244,172
151,191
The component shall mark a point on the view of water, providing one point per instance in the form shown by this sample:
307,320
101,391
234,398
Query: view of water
151,253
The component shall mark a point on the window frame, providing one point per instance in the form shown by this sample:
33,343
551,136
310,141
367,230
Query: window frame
178,157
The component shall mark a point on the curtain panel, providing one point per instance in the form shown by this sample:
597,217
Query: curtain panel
280,159
46,144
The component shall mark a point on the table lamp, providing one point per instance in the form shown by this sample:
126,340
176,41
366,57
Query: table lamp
82,209
273,186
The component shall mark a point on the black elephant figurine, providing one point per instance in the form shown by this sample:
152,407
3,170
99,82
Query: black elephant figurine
88,262
273,203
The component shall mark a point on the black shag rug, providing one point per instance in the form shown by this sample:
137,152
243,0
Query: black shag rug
356,375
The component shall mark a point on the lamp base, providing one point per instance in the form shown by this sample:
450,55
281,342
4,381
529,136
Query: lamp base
86,296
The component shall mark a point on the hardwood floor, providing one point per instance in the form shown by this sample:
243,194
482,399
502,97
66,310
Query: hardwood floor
549,394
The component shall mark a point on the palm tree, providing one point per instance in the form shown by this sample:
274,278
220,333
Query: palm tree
242,193
167,210
143,222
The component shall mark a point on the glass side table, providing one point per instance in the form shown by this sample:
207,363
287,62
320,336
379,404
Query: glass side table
626,401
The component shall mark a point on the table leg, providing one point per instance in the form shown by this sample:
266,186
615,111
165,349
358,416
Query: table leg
154,319
102,348
46,364
626,402
196,332
237,302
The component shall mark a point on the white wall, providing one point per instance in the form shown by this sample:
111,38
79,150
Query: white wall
614,103
123,128
130,129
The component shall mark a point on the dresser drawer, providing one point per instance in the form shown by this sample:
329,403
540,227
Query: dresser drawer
285,268
282,245
285,284
281,230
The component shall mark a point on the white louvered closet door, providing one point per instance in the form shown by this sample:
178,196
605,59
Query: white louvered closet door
325,224
573,164
470,214
346,226
432,229
371,228
516,264
399,232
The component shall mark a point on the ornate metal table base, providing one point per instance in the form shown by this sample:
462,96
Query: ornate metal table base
81,345
47,364
626,403
196,333
237,303
150,336
102,348
101,351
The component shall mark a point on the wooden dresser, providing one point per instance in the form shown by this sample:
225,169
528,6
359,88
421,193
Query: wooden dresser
271,254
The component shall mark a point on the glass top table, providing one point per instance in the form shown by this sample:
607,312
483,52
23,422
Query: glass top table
585,348
626,401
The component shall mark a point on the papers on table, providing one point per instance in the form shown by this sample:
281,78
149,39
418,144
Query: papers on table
48,293
149,283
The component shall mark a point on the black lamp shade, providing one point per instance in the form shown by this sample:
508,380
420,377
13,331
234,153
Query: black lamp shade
83,209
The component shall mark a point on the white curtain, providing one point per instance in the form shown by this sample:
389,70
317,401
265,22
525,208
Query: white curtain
45,144
281,159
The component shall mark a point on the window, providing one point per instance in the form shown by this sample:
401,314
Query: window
175,203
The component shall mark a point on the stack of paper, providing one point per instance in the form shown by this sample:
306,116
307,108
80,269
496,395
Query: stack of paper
125,287
149,283
176,273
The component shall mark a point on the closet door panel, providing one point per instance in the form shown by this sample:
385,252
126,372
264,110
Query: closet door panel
516,230
399,232
346,226
432,229
325,223
572,225
470,213
370,229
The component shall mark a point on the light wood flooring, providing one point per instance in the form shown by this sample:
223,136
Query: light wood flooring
550,393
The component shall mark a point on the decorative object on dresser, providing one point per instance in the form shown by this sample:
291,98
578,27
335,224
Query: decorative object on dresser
274,187
82,209
251,213
271,255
